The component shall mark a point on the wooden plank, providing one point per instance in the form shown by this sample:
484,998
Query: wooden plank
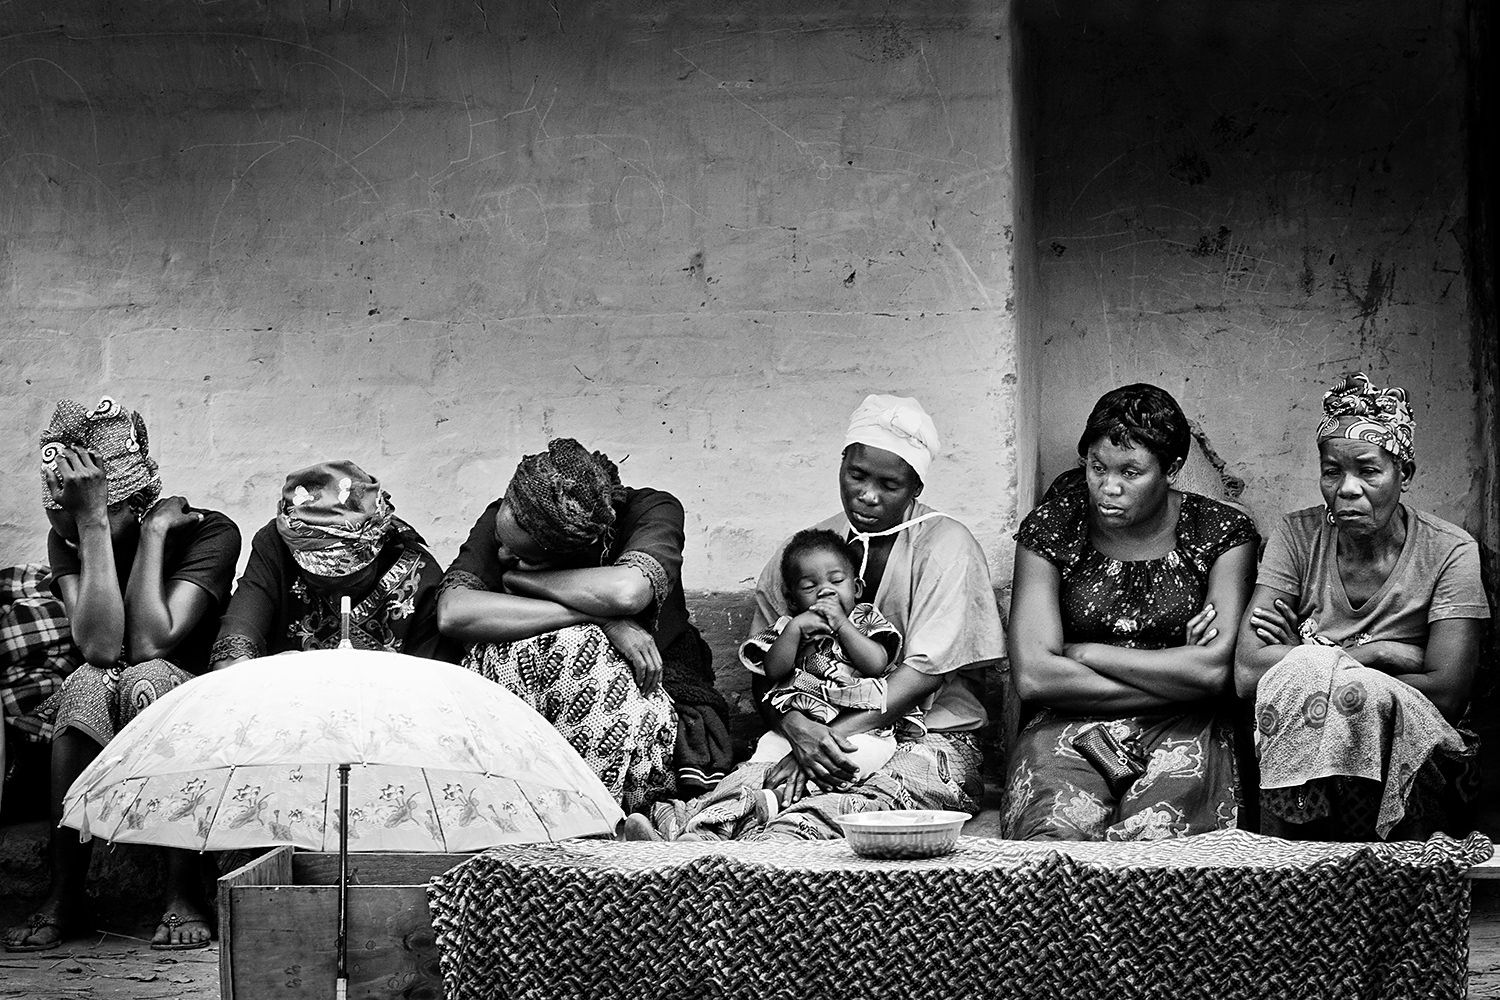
1486,869
272,868
316,868
286,938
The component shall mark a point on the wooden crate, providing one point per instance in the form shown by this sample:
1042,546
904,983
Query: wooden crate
278,926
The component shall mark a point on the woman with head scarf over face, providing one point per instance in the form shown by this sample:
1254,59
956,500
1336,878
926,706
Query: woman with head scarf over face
335,535
1119,579
928,576
1361,640
569,592
143,579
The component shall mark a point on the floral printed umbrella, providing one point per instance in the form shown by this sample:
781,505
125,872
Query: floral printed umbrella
442,760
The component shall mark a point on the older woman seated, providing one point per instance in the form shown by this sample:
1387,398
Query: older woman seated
1118,580
1360,644
335,535
569,592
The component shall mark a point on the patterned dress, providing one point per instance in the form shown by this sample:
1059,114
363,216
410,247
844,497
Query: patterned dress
577,680
1190,784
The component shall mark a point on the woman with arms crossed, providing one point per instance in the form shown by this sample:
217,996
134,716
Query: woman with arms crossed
1361,641
1119,580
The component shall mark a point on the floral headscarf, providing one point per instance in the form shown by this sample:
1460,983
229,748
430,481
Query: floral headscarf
115,434
1356,409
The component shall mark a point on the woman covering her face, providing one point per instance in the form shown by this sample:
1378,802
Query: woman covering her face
1361,640
143,579
569,592
1115,651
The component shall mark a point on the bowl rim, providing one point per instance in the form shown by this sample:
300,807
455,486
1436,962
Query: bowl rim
902,820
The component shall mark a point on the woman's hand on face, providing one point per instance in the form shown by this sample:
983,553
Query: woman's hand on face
1275,626
1200,630
821,753
169,513
639,649
78,482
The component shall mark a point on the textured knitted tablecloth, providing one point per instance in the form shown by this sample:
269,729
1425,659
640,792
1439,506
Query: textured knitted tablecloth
1223,915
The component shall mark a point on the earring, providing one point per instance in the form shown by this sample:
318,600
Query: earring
1328,513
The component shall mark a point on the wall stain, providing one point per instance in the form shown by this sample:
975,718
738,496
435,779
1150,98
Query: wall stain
1190,168
1379,285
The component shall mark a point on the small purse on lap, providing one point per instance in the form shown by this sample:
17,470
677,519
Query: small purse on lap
1118,761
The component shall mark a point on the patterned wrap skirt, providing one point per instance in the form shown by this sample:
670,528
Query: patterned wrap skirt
99,702
578,682
1190,784
939,771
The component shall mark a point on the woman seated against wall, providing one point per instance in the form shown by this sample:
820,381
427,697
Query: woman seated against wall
1119,579
1361,640
335,535
569,592
142,578
927,575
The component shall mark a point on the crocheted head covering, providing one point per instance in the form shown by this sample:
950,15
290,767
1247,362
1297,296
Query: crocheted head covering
113,433
1354,408
899,425
565,497
333,517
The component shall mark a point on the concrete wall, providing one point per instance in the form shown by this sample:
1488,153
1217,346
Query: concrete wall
1239,202
428,236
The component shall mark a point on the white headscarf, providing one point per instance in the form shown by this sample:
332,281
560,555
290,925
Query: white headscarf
899,425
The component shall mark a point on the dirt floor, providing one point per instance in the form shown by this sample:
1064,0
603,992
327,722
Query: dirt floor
108,966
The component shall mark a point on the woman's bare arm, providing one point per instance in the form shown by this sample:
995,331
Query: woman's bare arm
1193,671
1039,667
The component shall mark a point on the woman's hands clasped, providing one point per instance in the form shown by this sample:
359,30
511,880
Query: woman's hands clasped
819,755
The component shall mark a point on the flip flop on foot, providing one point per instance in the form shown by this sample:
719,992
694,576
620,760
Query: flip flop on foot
177,932
42,931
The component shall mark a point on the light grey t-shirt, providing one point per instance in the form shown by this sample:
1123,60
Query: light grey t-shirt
1435,577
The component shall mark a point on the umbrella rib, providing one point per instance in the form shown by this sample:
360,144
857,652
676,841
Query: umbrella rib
437,818
535,812
213,816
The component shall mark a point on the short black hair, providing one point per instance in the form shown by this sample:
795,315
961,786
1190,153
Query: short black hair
813,540
1139,414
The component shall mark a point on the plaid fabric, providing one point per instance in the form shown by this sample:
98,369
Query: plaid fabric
36,647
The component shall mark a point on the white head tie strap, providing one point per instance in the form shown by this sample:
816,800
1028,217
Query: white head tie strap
863,537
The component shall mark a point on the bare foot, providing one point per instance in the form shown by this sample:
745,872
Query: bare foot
183,925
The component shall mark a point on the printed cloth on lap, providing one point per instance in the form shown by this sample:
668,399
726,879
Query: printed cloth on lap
1319,714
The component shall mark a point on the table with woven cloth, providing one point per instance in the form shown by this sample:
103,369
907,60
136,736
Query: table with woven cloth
1223,915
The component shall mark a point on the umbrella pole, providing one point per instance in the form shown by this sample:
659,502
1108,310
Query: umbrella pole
341,988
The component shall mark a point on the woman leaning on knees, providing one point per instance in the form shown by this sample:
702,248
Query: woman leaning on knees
569,592
143,579
1115,651
1361,641
925,572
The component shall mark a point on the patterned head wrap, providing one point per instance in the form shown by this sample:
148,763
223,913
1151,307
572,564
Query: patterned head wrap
899,425
334,517
1356,409
565,497
116,435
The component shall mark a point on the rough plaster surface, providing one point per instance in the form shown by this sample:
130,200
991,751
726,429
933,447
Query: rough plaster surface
429,236
1239,207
